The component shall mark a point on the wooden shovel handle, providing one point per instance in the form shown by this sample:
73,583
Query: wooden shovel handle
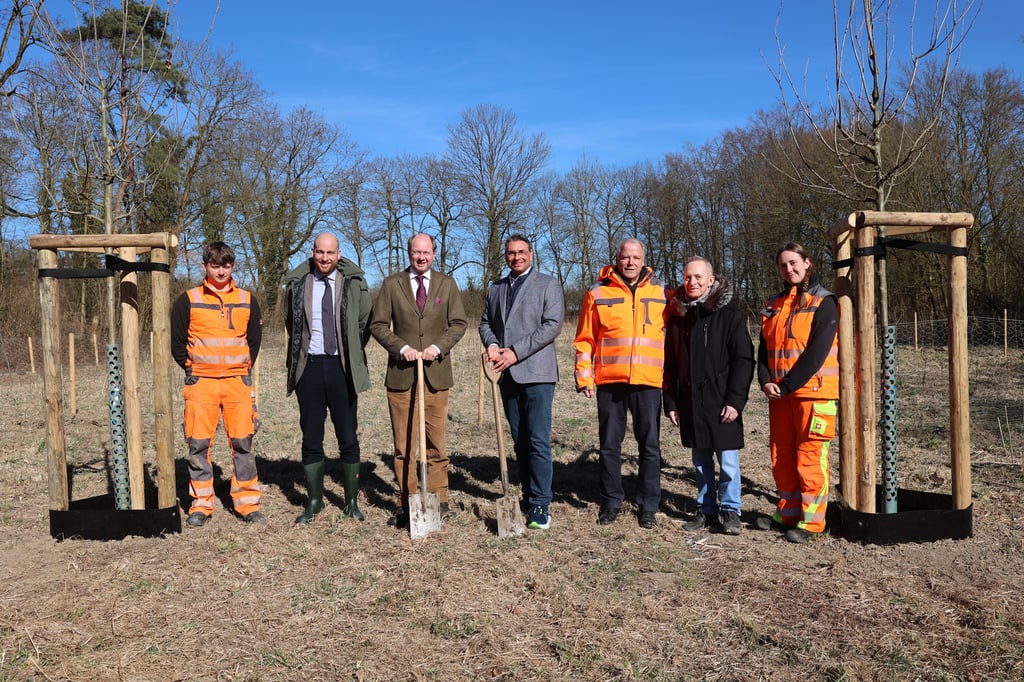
493,375
421,414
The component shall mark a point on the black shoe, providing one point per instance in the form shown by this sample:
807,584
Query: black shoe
447,513
730,522
647,520
399,520
766,523
255,518
197,520
698,522
799,536
607,516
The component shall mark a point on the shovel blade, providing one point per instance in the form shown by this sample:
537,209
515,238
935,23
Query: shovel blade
424,514
510,518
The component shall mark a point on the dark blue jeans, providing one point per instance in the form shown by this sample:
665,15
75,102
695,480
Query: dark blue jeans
324,386
528,409
643,403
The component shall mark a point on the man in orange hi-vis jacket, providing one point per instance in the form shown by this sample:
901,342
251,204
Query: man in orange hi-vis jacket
216,330
620,354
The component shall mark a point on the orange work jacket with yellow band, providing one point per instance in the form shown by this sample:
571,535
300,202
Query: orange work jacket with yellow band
620,337
217,342
786,324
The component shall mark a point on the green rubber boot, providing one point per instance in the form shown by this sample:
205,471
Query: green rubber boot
350,477
314,491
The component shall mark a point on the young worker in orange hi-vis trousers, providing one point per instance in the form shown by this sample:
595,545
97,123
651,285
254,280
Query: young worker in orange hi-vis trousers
798,369
216,330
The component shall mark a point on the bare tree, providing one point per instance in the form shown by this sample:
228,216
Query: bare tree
495,161
385,238
279,176
19,34
353,205
222,94
444,205
863,126
579,196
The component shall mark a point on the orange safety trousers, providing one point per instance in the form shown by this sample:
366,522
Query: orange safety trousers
206,399
801,431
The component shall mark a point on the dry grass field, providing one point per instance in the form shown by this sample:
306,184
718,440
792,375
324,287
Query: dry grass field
346,600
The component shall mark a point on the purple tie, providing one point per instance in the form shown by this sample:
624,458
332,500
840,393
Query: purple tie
421,293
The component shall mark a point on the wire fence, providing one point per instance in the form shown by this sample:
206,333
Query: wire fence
22,355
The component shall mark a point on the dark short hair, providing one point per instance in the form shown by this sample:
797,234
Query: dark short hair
517,237
218,253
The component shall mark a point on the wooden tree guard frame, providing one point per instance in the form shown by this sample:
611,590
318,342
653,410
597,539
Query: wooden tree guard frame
96,518
922,516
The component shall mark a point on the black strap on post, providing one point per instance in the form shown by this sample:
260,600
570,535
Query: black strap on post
113,266
879,250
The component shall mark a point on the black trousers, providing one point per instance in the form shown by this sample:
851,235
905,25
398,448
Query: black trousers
643,403
324,386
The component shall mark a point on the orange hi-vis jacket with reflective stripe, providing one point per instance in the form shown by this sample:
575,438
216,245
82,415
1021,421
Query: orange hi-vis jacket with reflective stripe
786,328
217,343
620,337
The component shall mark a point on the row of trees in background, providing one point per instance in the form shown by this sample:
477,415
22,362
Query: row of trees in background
114,126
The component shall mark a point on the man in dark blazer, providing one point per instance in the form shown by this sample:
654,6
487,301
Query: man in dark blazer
522,318
418,314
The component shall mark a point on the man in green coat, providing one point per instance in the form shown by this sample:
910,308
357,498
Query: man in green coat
327,316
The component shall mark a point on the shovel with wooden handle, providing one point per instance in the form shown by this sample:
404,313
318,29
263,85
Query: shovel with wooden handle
425,508
510,518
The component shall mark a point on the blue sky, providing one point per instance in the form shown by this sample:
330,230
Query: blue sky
616,81
613,80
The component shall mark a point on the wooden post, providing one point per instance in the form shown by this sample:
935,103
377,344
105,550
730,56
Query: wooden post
96,349
916,347
847,373
31,356
71,372
1006,335
56,455
129,295
163,400
866,385
480,398
959,406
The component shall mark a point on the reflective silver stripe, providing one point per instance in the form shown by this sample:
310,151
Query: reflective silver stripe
626,360
609,301
630,342
219,341
218,360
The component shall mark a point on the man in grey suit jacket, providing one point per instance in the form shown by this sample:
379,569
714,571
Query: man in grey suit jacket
522,318
418,314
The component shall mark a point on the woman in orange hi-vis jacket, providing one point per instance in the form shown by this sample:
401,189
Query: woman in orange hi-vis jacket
798,370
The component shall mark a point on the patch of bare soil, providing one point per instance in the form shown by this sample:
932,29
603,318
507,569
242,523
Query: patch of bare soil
346,600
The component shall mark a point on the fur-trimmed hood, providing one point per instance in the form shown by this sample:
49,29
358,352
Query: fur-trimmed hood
718,296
